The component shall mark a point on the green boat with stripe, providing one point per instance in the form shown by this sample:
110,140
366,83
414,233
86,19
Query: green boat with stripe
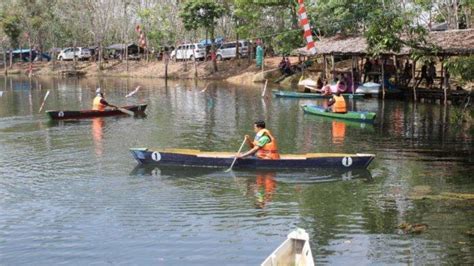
295,94
366,117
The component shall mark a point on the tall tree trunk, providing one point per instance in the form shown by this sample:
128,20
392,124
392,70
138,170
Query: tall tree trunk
213,49
74,55
5,61
30,66
11,58
237,48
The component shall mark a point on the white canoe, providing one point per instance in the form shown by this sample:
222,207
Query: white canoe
369,88
295,250
307,82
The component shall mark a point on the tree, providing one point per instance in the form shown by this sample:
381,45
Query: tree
202,13
462,67
11,25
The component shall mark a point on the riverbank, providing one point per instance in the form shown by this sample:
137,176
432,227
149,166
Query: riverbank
240,71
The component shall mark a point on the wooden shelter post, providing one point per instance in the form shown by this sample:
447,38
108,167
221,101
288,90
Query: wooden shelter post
414,78
324,68
352,75
333,66
383,78
445,89
395,62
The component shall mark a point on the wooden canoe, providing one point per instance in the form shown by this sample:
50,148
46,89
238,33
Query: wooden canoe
367,117
61,115
294,94
197,158
295,250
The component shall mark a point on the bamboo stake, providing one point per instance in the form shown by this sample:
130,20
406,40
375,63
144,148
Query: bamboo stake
265,88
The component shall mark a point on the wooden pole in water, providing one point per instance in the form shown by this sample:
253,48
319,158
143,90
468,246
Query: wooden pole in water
265,88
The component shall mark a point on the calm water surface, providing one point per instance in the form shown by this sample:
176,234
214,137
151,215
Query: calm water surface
70,192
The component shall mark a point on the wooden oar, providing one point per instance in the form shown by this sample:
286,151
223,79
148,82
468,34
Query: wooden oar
235,158
312,88
44,100
125,111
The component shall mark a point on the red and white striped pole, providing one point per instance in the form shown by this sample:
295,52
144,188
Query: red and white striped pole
307,29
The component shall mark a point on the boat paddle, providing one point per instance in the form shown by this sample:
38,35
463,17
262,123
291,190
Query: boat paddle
123,110
44,100
133,92
235,158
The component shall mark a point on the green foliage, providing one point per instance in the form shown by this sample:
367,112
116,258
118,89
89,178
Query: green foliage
384,30
201,13
390,31
462,67
11,25
345,16
286,42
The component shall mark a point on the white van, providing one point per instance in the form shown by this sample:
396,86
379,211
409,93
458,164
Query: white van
189,51
228,50
70,53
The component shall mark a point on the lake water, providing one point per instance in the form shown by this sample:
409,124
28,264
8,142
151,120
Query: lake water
71,193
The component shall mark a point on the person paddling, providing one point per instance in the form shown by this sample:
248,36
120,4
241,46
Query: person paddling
264,144
99,103
338,103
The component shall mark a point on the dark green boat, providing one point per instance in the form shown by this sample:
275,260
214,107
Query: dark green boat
294,94
367,117
197,158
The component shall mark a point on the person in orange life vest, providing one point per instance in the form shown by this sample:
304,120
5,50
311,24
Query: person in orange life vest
99,103
263,146
338,103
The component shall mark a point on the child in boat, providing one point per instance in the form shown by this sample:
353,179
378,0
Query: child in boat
264,144
338,103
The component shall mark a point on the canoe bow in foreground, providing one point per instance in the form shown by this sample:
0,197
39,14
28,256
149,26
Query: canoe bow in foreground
198,158
295,250
61,115
367,117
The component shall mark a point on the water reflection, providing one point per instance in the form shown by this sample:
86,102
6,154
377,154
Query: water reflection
338,132
261,185
98,135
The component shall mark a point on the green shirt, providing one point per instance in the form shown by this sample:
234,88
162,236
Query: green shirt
263,140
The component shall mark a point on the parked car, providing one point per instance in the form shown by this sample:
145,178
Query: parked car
78,52
228,50
189,51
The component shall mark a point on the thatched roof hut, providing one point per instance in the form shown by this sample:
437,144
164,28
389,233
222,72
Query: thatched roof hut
454,42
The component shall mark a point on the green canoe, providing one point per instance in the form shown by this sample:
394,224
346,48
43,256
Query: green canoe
367,117
294,94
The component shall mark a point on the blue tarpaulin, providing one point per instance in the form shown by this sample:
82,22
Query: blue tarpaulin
25,54
218,40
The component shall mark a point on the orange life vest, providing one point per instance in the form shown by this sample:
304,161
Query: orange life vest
269,151
339,105
97,105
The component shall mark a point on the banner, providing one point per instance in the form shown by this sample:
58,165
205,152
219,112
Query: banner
304,21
